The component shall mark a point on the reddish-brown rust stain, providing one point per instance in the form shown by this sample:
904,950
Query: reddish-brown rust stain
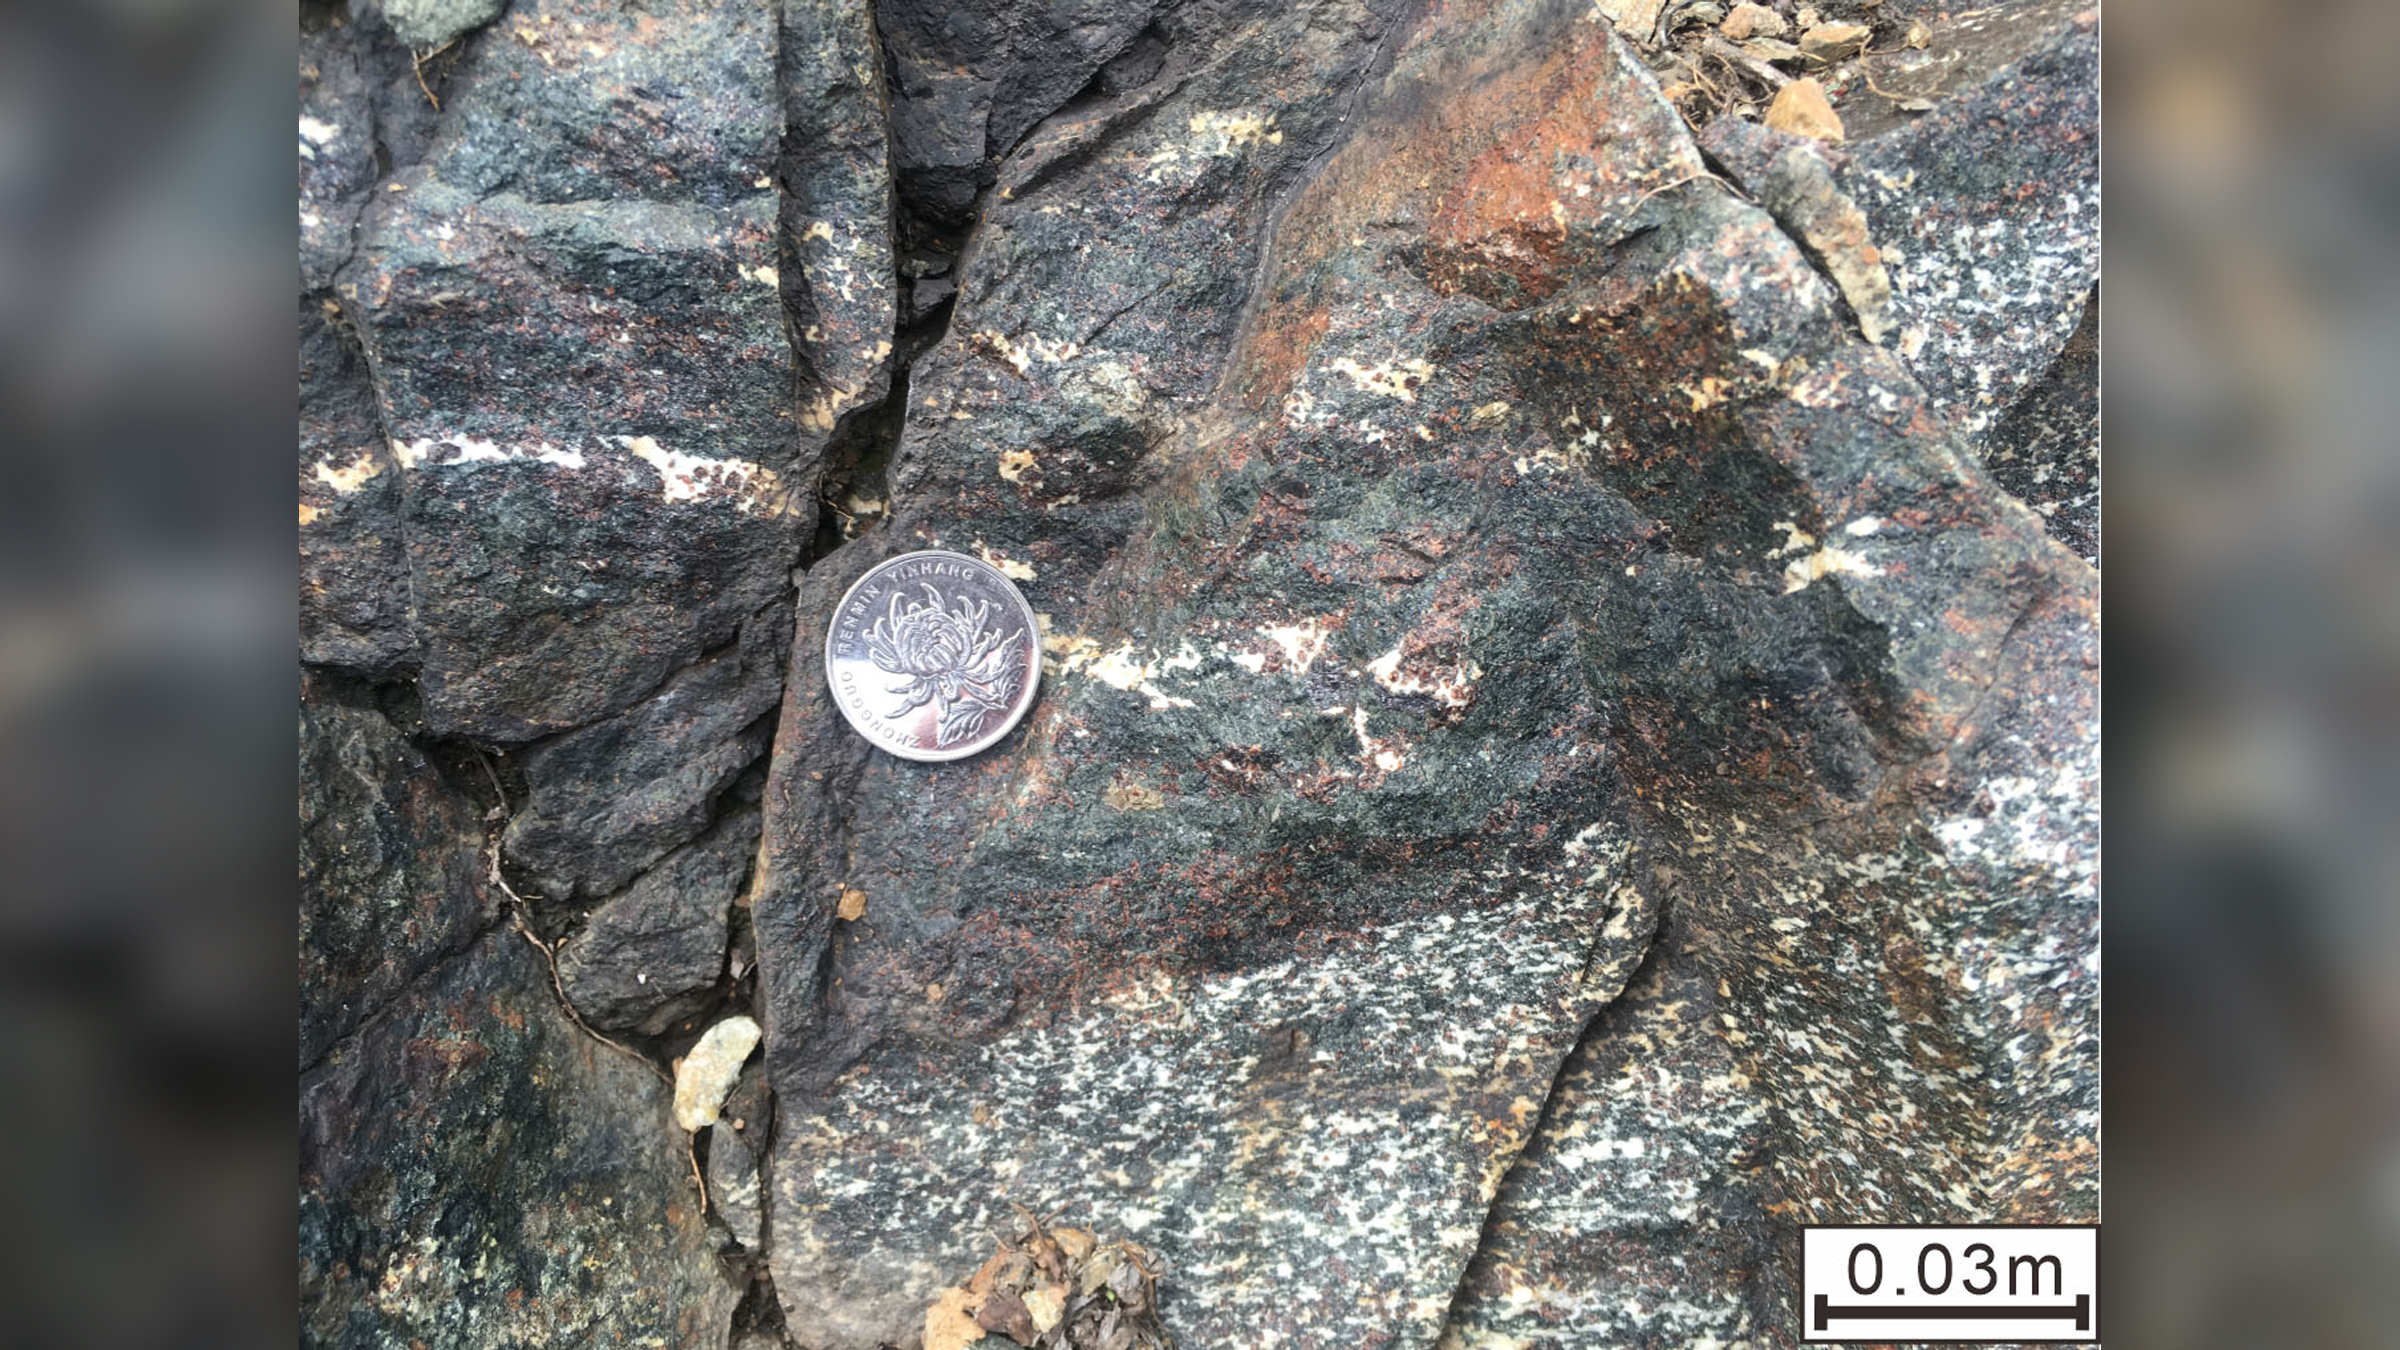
1480,170
1278,348
430,1057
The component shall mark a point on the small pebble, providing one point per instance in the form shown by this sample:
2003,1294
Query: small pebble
1830,42
1749,21
706,1075
1802,109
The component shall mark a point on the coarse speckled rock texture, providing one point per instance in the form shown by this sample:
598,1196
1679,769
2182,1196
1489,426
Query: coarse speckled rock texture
2047,449
1640,1212
386,891
1987,210
1981,234
1563,753
1533,545
473,1170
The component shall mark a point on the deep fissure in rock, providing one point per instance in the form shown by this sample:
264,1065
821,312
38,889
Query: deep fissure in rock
1597,1027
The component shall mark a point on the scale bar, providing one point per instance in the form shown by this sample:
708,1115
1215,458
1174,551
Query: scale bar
2080,1311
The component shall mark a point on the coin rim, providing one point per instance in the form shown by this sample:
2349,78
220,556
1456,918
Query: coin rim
1033,630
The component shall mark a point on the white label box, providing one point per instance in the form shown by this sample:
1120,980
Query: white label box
1916,1283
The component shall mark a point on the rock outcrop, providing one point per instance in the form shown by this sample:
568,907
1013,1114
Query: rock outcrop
1557,761
474,1169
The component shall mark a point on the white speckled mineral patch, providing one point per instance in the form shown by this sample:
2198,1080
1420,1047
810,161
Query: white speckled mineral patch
704,1076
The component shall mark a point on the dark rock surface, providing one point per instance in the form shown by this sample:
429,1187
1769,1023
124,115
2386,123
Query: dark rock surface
1548,550
737,1158
653,955
969,80
1966,239
474,1171
1557,763
337,148
572,307
839,289
554,478
607,800
2047,449
353,584
390,885
359,103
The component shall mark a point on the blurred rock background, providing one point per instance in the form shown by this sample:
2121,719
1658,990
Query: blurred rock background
2252,948
145,686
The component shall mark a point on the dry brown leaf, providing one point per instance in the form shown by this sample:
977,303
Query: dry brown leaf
1802,109
948,1324
1056,1289
1074,1242
1005,1312
853,905
1919,36
990,1276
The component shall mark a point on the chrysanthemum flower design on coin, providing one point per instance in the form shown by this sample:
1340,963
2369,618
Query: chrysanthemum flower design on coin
933,655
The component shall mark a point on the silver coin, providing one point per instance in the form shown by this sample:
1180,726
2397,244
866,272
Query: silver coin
933,655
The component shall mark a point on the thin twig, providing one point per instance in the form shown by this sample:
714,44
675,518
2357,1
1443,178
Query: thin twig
1743,61
418,60
499,793
518,914
1642,200
1707,85
1878,90
1033,1221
